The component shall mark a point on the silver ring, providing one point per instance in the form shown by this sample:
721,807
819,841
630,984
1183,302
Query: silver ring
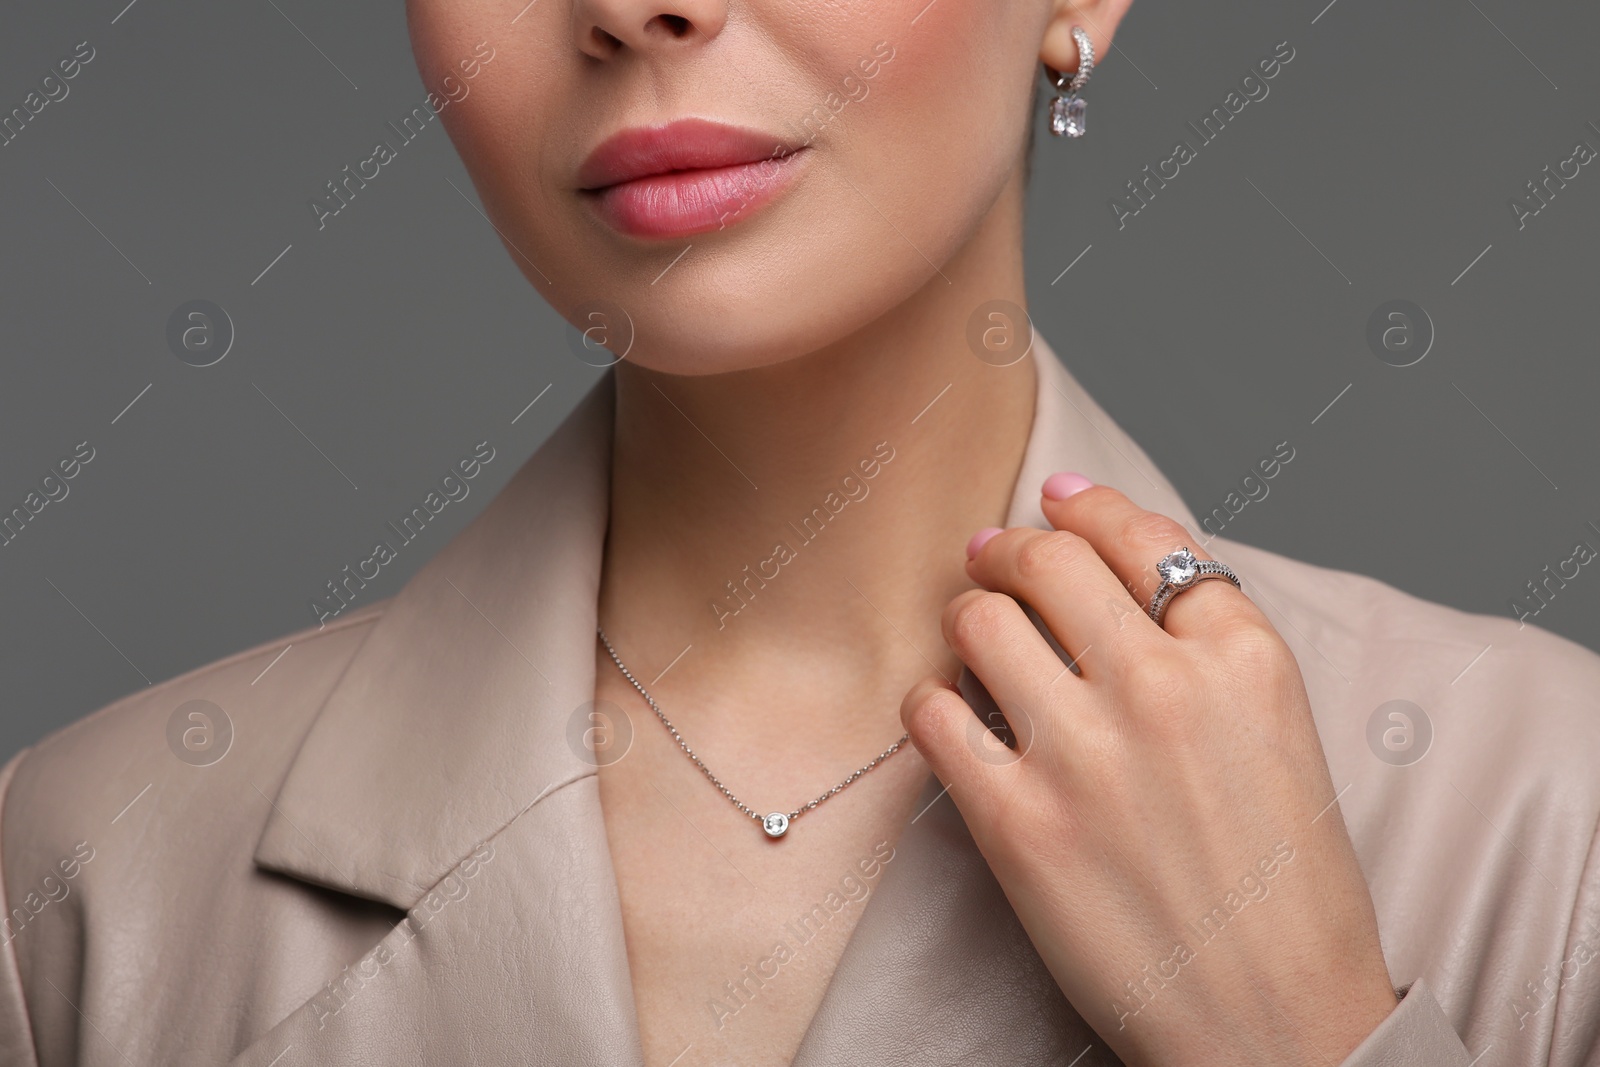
1180,571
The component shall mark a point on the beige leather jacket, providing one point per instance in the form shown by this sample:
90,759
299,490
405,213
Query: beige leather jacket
400,859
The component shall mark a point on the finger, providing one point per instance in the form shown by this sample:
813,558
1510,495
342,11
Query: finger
1000,645
941,726
1132,540
1061,576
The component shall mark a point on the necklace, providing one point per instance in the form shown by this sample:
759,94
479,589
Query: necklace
775,824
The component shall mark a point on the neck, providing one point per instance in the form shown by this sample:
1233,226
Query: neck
801,526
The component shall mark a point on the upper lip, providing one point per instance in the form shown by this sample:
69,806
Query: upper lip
685,144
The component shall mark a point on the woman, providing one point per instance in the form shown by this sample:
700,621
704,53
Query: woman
554,801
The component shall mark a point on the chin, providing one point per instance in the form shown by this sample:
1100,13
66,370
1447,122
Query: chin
775,288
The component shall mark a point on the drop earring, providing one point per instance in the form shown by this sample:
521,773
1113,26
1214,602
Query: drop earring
1067,109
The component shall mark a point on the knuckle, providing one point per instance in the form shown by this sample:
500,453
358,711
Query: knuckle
924,706
977,619
1254,652
1254,643
922,695
1149,527
1047,555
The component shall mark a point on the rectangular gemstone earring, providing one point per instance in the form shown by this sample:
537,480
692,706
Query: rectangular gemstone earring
1067,109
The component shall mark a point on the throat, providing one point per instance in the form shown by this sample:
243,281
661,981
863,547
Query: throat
804,526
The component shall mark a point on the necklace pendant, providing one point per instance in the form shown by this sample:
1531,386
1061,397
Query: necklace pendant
775,824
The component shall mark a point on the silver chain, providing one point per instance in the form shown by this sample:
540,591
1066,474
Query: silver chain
724,790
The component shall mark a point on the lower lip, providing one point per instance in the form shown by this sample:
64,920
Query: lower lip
695,201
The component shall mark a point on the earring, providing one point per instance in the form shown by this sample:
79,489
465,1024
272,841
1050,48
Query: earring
1066,110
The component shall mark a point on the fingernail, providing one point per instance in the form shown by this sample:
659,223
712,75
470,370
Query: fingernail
980,539
1060,486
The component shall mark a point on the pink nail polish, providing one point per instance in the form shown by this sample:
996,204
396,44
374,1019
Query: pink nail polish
1060,486
980,539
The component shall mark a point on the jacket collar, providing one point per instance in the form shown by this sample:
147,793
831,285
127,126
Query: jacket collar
450,719
454,717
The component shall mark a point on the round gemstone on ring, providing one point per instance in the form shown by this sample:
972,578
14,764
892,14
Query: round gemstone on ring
1179,567
776,824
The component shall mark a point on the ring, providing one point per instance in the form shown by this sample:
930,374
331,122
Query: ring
1180,571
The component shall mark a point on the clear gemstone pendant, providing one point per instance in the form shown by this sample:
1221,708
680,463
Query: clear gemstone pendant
1067,116
776,824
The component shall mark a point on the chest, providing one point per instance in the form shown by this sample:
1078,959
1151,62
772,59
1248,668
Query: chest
732,937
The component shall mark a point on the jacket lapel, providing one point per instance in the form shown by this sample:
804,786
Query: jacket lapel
450,719
448,739
515,957
444,776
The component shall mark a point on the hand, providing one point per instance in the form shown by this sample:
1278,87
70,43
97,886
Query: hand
1164,828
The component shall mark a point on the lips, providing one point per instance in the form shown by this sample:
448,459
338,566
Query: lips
685,177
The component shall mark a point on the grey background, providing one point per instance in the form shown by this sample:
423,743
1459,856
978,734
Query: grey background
375,353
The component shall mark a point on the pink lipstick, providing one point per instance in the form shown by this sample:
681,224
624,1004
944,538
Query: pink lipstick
685,177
